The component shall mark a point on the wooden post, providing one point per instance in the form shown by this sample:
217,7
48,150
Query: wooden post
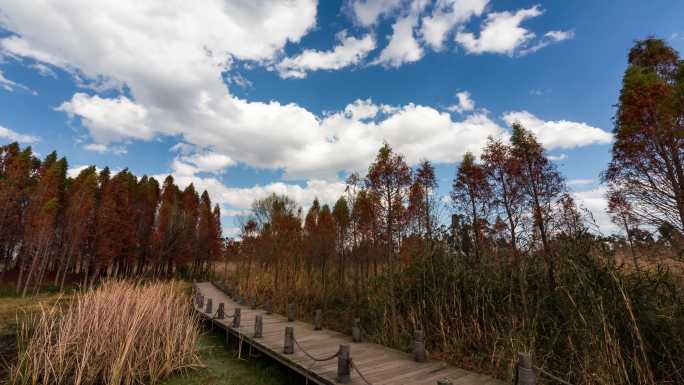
269,308
220,313
254,302
290,312
356,330
236,318
288,345
419,346
210,306
258,326
524,373
444,381
343,364
317,319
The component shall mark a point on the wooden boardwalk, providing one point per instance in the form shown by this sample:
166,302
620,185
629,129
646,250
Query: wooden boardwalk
378,364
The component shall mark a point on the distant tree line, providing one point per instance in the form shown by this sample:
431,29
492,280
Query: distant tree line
54,228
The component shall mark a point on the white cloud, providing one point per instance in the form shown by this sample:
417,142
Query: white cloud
175,85
208,161
13,136
465,103
238,200
102,148
445,16
9,85
367,12
557,158
500,33
560,133
349,51
580,182
73,172
403,46
549,38
109,119
595,201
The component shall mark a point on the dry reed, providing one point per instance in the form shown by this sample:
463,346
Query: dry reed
120,333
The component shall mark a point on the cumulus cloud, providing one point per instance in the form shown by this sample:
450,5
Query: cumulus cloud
445,16
367,12
109,119
502,33
175,85
560,133
13,136
350,51
207,161
465,103
595,201
403,46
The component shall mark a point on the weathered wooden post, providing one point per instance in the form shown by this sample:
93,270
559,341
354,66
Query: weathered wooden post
290,312
236,317
288,345
210,306
254,302
269,307
356,330
524,373
317,319
343,364
258,326
419,346
220,314
444,381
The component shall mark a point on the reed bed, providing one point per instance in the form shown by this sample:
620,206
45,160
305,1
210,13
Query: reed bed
119,333
604,324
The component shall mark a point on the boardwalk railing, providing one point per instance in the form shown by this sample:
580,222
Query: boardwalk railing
321,355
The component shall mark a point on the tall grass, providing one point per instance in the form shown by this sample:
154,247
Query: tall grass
120,333
603,324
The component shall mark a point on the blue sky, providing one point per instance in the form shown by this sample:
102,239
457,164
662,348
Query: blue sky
246,98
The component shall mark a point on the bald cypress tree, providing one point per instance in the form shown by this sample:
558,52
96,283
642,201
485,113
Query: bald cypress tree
542,185
647,167
18,176
42,213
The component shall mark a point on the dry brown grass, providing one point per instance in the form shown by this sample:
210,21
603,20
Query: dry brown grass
120,333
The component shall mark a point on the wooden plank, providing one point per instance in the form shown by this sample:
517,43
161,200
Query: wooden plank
379,364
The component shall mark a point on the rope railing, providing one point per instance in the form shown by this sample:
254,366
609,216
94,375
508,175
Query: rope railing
335,355
358,371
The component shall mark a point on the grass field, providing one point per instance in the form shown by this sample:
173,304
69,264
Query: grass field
221,365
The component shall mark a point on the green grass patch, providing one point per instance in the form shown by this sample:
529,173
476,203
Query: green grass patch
224,367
